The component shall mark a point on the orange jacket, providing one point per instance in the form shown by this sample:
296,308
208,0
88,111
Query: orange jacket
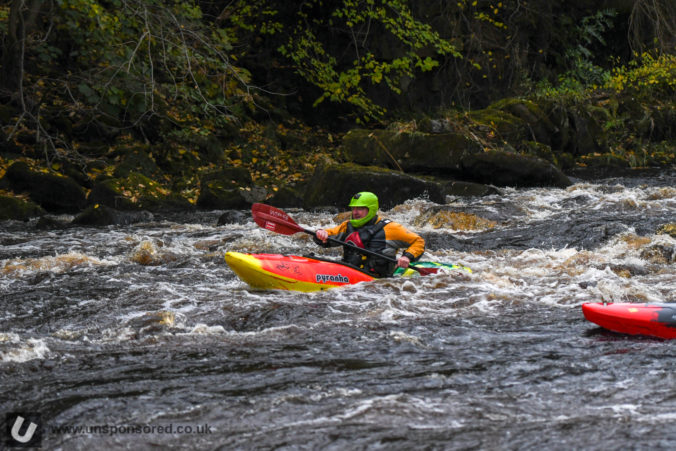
396,237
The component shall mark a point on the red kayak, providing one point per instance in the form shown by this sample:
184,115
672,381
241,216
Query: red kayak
656,320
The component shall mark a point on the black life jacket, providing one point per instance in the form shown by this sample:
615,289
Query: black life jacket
370,236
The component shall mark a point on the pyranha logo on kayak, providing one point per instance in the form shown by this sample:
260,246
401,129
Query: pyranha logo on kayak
323,278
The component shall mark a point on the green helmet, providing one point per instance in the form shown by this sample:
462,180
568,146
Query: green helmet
364,199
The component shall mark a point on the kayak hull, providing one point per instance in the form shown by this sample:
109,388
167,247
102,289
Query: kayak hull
291,272
282,272
656,320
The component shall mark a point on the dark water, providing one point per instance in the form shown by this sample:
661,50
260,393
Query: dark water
126,334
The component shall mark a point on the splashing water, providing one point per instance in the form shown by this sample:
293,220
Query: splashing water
146,325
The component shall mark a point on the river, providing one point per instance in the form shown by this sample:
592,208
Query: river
140,337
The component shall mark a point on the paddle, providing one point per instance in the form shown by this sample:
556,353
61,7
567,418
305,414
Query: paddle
274,219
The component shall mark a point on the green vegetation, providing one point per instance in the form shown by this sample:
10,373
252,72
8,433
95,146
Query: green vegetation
185,87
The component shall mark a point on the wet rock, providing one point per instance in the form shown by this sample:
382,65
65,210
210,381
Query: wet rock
659,254
102,215
18,209
667,229
409,151
334,184
214,195
152,323
288,197
233,217
149,253
53,192
464,189
227,189
454,220
209,245
511,169
136,192
51,223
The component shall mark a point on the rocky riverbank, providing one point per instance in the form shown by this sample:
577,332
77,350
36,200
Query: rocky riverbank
513,142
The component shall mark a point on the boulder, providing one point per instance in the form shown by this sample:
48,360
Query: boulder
288,197
219,195
136,192
102,215
137,160
334,185
233,217
53,192
408,151
532,119
18,209
228,188
511,169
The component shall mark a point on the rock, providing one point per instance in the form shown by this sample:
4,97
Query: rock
236,176
454,220
137,160
334,185
466,189
534,120
409,151
660,254
102,215
136,192
51,223
18,209
511,169
667,229
233,217
214,195
53,192
227,189
288,197
605,162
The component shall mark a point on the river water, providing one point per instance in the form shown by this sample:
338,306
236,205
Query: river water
140,336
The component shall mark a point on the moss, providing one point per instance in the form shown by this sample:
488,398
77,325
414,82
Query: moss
12,207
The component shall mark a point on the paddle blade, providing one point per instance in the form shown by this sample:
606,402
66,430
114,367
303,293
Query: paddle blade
274,219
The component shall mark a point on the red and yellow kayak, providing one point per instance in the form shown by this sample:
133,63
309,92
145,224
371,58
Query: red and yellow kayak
657,320
291,272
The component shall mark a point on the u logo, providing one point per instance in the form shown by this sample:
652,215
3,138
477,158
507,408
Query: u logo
26,436
23,430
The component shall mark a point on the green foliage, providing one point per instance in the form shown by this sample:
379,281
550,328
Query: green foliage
646,77
343,62
129,61
582,71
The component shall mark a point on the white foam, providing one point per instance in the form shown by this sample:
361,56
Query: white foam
23,350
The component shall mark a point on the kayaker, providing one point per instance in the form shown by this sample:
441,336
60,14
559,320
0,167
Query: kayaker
369,231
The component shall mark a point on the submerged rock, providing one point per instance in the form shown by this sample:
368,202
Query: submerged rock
667,229
454,220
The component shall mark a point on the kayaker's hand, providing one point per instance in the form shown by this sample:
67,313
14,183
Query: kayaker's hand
322,235
403,262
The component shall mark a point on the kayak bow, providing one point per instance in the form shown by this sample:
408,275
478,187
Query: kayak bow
657,320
